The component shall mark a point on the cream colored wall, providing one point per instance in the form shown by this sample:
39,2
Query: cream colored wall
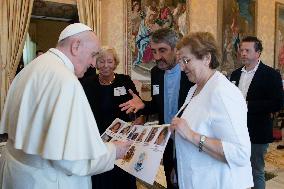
266,28
112,28
203,16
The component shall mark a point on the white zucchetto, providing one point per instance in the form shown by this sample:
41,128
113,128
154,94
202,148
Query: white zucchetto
73,29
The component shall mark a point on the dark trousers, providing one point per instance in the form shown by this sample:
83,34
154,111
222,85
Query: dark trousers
169,163
114,179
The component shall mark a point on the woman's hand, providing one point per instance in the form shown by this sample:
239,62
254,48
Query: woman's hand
211,146
181,126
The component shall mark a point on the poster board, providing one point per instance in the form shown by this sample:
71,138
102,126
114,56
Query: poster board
143,158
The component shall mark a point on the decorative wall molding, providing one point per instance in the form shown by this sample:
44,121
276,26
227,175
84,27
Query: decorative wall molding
54,9
71,2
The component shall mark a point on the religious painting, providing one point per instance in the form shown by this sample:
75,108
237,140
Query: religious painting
144,17
238,21
279,37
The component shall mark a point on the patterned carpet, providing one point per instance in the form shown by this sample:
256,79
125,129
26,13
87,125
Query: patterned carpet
274,159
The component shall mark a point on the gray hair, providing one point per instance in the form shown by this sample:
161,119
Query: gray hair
165,35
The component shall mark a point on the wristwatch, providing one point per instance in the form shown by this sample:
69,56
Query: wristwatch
201,142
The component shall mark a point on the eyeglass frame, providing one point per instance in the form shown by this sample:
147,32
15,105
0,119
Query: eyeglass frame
185,61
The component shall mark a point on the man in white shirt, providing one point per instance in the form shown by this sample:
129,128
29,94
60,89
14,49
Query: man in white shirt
53,139
261,86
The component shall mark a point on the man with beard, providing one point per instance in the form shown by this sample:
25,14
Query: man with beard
261,86
169,88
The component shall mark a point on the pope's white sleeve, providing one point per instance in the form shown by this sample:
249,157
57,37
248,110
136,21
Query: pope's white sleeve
88,167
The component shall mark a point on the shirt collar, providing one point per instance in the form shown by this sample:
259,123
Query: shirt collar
174,69
253,70
67,62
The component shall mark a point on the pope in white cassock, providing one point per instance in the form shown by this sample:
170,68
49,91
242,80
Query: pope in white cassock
53,139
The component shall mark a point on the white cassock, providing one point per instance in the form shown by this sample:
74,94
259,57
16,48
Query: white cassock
54,142
218,111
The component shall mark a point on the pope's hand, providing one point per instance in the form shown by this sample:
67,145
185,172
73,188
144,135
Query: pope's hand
121,148
132,105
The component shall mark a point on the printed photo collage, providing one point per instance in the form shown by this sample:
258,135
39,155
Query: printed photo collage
144,155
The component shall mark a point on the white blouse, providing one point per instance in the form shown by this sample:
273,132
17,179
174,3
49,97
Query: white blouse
219,111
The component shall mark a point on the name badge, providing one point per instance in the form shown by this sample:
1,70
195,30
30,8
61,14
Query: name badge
156,90
119,91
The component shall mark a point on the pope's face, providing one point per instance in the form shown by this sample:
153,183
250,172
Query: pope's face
88,50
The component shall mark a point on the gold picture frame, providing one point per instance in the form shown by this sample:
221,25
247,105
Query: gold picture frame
279,37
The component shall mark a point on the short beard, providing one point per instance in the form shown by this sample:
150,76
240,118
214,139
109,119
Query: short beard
170,66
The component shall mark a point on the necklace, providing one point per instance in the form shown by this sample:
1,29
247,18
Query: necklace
105,82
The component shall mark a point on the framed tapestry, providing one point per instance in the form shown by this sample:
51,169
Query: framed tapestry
144,17
279,37
238,20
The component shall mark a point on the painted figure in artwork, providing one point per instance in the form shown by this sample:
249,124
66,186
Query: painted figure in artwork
228,48
135,24
238,22
179,16
165,15
244,10
135,17
155,16
147,25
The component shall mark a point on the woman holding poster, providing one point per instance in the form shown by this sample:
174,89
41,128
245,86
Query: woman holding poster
211,137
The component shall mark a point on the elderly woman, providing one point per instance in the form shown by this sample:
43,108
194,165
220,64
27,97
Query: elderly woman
105,91
211,136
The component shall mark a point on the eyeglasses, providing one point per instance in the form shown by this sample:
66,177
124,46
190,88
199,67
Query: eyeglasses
185,60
